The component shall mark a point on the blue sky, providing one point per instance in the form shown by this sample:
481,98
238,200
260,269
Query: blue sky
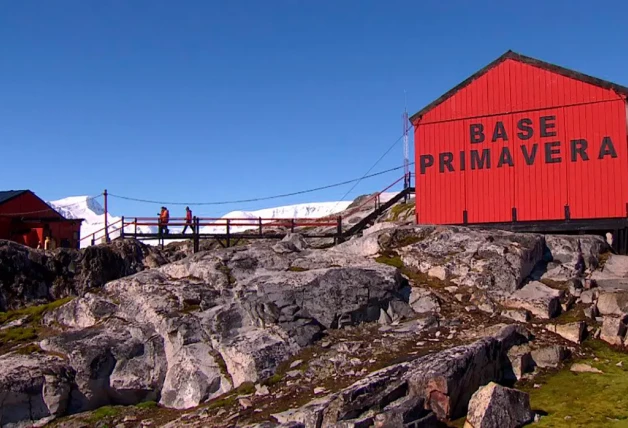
221,100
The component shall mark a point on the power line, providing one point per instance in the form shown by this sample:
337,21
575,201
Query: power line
255,199
370,169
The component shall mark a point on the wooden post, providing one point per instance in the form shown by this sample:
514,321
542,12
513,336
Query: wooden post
260,227
196,231
122,229
135,222
292,225
339,230
228,233
106,215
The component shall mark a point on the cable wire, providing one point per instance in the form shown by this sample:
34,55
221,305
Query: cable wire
255,199
369,170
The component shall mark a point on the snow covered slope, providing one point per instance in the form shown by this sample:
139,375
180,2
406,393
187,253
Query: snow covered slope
94,215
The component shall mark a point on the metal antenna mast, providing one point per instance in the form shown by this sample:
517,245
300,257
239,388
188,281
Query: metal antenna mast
406,161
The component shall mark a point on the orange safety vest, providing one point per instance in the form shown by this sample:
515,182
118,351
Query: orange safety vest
165,216
188,216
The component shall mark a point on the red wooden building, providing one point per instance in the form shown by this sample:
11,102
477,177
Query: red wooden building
28,220
527,145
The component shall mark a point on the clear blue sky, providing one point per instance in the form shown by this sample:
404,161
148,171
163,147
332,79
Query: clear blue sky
216,100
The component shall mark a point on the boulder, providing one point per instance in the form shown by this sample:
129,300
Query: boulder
614,274
487,259
291,243
441,383
495,406
521,361
614,303
423,301
33,387
589,296
573,331
569,250
549,356
542,301
614,330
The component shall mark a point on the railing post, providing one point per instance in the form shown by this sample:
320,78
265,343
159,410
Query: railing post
292,225
106,215
228,233
196,233
122,229
93,239
339,230
260,227
135,222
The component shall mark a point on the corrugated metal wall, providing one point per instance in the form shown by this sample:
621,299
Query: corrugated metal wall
547,141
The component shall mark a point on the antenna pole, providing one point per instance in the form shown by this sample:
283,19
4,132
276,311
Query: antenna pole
106,215
406,161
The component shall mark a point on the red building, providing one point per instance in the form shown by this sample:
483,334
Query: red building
28,220
524,144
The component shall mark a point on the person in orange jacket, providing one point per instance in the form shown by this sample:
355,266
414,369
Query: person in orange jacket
188,220
165,219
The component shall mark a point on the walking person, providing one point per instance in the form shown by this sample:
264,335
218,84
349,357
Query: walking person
165,218
188,220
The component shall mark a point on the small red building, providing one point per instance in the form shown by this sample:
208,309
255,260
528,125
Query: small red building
28,220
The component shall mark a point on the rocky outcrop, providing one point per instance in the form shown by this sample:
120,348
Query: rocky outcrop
471,257
495,406
33,387
542,301
438,385
191,330
36,276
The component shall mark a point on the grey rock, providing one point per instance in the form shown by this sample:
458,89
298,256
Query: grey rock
589,296
35,276
584,368
423,301
549,356
291,243
573,331
441,382
615,303
591,312
488,259
564,249
536,297
519,315
521,361
33,387
614,330
495,406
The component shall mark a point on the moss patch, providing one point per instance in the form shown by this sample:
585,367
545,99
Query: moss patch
104,412
390,260
584,399
34,313
147,405
297,269
398,210
31,329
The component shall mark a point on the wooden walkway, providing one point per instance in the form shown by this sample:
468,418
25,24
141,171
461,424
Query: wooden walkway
229,232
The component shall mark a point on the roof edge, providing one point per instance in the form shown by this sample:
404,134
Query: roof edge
510,54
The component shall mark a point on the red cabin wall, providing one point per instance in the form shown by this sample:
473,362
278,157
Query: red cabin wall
29,206
508,93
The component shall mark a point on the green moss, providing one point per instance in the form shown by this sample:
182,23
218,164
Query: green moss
397,210
603,259
273,380
246,388
585,399
557,285
390,260
34,313
147,405
297,269
31,329
104,412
